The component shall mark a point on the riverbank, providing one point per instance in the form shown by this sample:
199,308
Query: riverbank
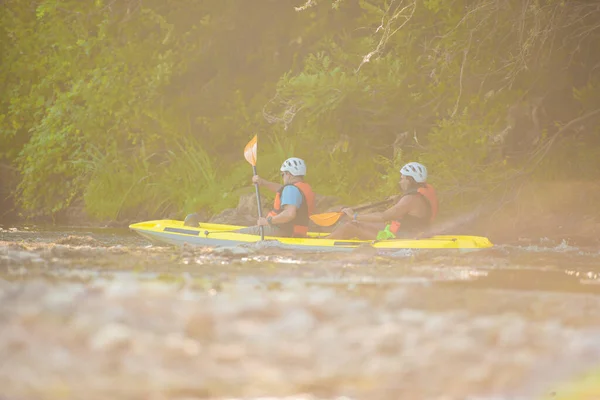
554,210
559,211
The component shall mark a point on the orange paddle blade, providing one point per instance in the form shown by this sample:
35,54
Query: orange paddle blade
250,151
326,219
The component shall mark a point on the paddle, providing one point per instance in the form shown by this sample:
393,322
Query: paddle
250,154
330,218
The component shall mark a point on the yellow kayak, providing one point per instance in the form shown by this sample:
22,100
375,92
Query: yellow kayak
219,235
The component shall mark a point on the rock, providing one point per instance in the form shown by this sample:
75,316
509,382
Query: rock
232,250
120,224
20,257
324,203
193,219
247,204
79,241
81,250
263,244
245,214
232,217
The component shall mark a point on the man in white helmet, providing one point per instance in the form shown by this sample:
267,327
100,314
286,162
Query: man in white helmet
294,202
410,216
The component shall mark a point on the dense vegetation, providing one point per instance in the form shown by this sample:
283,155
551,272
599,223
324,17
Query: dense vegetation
140,109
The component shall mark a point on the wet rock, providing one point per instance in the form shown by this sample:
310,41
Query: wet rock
14,255
120,224
263,244
233,250
11,246
118,249
80,251
73,240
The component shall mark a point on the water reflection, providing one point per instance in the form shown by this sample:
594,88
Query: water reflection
87,307
535,280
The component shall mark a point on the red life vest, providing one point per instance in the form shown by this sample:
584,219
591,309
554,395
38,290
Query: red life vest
298,227
411,222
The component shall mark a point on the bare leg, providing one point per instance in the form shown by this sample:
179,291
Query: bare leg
361,230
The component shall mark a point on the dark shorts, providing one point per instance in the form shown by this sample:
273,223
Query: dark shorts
270,230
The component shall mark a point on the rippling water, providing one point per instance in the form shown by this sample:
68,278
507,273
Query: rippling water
97,314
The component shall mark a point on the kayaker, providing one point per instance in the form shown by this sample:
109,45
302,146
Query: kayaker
409,217
294,202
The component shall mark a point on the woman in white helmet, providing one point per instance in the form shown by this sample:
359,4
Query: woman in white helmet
294,202
411,215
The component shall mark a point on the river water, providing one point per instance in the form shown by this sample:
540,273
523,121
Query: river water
103,314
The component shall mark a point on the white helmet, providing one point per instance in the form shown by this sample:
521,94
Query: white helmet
416,170
294,166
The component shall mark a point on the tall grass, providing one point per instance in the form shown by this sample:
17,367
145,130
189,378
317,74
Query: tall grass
190,178
173,183
116,185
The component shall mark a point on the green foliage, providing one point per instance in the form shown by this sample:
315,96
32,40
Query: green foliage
462,164
117,185
143,109
190,180
181,180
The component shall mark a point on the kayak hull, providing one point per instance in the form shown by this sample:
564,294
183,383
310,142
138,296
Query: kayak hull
219,235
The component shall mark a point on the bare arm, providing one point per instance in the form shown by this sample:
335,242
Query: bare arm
272,186
288,214
397,211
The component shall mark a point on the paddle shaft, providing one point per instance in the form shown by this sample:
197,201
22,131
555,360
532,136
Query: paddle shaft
262,228
328,219
379,203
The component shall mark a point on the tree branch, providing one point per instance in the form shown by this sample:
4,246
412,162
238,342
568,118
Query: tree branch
386,31
460,82
544,151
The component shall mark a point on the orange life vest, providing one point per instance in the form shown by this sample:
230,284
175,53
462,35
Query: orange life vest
428,193
298,227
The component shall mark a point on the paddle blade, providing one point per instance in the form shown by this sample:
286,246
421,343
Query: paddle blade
326,219
250,151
